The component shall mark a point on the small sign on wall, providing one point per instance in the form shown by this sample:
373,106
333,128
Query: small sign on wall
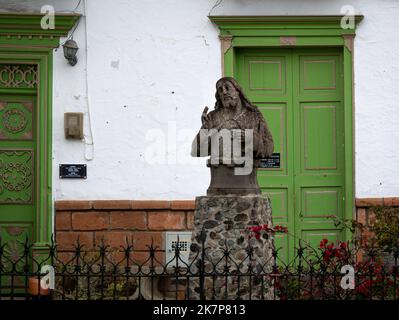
271,162
73,171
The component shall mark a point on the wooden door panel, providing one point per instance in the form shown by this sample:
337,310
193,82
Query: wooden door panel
18,163
319,76
299,92
276,182
321,202
16,179
321,138
265,76
17,171
276,115
319,144
319,134
16,119
14,235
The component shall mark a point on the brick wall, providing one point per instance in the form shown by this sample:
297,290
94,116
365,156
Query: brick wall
144,221
112,221
365,215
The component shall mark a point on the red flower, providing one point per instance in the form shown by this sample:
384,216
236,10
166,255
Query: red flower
257,230
323,243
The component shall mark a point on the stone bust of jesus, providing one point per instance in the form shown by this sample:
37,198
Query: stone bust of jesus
233,112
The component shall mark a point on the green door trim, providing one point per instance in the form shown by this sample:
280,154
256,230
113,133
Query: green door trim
296,32
23,41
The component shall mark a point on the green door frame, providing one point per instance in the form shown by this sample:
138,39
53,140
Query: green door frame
296,32
23,41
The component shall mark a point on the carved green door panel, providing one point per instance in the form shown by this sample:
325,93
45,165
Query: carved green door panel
18,148
300,94
26,82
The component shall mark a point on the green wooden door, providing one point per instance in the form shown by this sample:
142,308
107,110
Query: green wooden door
300,93
17,159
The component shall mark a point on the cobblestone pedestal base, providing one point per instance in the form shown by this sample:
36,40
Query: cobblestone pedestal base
224,220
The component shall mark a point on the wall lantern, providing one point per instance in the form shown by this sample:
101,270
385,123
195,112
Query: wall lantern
70,49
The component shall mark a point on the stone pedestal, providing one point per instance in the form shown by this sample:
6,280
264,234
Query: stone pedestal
229,247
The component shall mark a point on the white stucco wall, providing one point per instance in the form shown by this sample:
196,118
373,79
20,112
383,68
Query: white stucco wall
156,61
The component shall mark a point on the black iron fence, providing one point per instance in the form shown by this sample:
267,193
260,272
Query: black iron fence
328,271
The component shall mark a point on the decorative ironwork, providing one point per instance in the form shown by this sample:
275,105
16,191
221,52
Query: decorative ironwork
16,120
18,76
16,176
103,273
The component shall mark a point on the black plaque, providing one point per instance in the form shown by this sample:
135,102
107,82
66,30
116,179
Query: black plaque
271,162
73,171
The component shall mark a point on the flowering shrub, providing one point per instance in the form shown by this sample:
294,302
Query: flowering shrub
335,253
315,271
386,227
317,274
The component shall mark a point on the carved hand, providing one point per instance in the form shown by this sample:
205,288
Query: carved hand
205,116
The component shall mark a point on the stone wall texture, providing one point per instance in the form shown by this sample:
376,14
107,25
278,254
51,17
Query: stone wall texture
221,240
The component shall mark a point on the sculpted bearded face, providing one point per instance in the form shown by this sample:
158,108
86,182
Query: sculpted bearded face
228,94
